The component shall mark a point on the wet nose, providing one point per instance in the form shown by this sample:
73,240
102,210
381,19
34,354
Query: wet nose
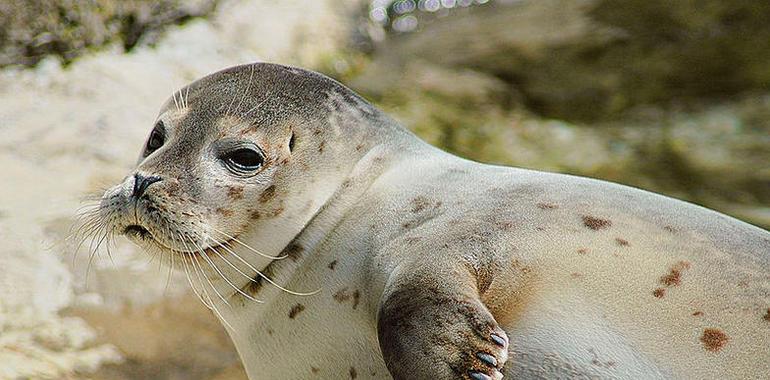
141,183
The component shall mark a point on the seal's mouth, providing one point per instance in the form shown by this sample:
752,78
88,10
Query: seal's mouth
138,231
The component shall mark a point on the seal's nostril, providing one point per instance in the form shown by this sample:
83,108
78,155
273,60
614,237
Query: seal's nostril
141,183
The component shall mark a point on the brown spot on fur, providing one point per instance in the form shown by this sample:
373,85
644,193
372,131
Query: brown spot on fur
353,373
659,292
582,251
225,212
255,285
267,195
546,206
674,277
276,212
576,275
296,309
342,295
332,264
321,146
293,251
359,147
505,225
314,370
235,192
595,223
420,203
767,315
697,313
713,339
255,215
622,242
669,229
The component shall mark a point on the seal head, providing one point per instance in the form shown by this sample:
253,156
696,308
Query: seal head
235,150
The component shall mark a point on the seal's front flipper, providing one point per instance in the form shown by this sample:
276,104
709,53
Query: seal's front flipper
432,325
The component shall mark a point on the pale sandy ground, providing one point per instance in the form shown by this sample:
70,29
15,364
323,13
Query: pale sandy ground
65,133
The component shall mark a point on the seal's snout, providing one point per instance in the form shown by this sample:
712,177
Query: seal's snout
141,183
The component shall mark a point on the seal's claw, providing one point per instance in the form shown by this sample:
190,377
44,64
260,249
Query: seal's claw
479,376
500,341
487,358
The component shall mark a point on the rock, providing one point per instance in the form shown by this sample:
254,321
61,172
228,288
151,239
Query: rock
590,60
30,30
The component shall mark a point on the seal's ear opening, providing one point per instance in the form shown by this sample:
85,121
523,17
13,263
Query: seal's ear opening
291,142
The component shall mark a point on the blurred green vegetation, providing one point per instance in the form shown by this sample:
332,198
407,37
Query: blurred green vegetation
30,30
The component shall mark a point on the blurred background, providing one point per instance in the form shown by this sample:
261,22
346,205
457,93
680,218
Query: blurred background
672,97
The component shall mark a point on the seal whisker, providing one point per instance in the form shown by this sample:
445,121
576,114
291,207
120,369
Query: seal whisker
203,273
227,280
108,235
175,102
170,271
204,290
189,280
182,100
88,225
199,273
268,279
101,233
233,238
170,258
239,271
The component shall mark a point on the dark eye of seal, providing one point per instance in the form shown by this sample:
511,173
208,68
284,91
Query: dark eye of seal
243,160
157,138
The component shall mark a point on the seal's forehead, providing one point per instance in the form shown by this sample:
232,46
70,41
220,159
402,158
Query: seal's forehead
259,92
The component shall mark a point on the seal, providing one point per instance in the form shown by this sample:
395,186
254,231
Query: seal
333,243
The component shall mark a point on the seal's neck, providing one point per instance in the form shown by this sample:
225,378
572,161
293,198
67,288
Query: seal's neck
360,157
317,206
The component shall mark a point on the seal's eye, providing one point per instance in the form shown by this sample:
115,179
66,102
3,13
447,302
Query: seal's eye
244,160
157,138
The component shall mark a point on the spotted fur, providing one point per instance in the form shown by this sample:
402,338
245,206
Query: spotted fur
414,263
